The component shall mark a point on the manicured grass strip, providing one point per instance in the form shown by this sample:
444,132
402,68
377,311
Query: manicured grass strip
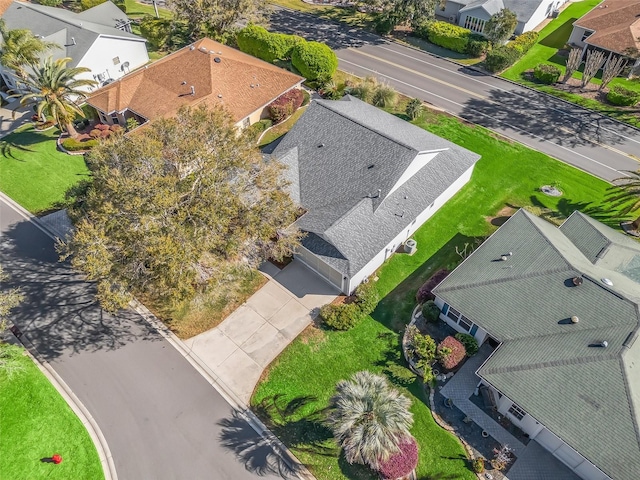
279,130
508,174
34,173
139,10
35,423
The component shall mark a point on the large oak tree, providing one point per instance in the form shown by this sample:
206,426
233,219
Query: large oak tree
176,205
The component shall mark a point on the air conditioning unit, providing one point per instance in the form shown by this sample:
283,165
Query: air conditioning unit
410,246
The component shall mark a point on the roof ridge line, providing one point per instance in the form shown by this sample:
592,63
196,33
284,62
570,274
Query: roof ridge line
382,134
553,363
549,242
506,279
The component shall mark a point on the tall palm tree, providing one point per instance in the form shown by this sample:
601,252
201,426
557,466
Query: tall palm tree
369,419
629,197
56,92
21,49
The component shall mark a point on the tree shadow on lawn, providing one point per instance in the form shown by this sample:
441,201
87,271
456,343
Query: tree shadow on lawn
566,207
31,137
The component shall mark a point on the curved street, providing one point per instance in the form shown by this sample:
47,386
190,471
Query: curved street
580,137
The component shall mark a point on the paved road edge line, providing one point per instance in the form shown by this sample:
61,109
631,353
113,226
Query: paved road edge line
227,393
92,427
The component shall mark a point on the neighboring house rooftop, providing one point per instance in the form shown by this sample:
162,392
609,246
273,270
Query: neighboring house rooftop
363,175
554,369
205,72
524,9
615,23
75,33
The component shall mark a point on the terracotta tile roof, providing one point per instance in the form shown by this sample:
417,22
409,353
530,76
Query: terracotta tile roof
219,75
616,25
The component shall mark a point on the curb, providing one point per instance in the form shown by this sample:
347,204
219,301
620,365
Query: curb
96,435
299,469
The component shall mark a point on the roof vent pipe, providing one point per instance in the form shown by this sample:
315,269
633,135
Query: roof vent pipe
193,90
603,344
73,41
577,281
574,319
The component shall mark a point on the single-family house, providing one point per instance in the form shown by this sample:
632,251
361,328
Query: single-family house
366,181
204,73
561,307
474,14
99,38
612,26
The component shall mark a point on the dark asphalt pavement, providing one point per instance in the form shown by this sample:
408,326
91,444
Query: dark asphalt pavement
160,417
577,136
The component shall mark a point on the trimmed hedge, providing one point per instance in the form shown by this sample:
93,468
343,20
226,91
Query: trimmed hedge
261,43
506,55
73,145
618,95
470,343
546,73
446,35
524,42
343,316
285,105
430,311
402,463
453,359
367,298
478,45
314,60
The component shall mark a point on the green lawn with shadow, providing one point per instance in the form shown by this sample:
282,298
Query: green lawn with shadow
35,423
508,175
34,173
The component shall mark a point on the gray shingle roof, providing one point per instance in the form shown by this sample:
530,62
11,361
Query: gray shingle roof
344,158
523,9
63,26
585,394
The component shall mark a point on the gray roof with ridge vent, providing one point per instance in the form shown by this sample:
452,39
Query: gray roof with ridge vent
584,393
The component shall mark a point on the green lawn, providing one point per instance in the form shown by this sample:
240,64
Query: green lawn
34,173
507,175
279,130
139,10
35,423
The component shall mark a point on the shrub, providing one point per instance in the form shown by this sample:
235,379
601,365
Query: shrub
132,123
425,291
95,133
102,127
618,95
73,145
402,463
430,311
478,465
422,348
87,4
414,108
364,91
314,60
500,58
451,358
105,133
50,3
343,316
367,298
116,128
399,375
445,35
470,343
523,43
306,98
384,24
546,73
285,105
261,43
385,96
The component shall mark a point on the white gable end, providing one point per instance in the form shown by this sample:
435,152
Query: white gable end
415,166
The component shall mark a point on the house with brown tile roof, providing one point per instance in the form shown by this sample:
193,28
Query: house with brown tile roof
613,26
204,73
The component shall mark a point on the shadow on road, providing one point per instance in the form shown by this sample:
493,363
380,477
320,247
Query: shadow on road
543,117
310,27
59,313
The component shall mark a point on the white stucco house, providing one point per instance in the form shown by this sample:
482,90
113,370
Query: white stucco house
561,308
99,38
366,181
473,14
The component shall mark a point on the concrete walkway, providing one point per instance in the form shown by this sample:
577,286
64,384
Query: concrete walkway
247,341
10,119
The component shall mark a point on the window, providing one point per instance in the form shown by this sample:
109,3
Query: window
585,35
465,323
460,319
453,314
114,119
517,412
474,24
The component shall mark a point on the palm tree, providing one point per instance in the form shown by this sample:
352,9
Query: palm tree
56,91
369,419
20,49
629,196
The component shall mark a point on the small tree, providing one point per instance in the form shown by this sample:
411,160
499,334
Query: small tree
414,109
613,68
593,63
573,63
501,26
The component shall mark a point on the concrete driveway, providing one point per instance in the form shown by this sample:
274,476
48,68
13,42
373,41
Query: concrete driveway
13,116
249,339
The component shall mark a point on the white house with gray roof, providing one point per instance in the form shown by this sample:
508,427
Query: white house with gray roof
473,14
99,38
562,307
367,181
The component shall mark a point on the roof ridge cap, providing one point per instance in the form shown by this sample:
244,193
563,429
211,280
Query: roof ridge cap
549,242
493,281
324,102
553,363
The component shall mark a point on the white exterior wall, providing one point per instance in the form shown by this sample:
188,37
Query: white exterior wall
543,11
99,58
576,36
478,13
450,11
392,246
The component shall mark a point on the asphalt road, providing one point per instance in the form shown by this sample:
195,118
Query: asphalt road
160,417
577,136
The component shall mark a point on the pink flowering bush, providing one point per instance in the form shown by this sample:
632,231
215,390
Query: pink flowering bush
455,355
285,105
424,293
400,464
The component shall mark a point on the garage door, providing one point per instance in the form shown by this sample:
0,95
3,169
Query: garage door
331,274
